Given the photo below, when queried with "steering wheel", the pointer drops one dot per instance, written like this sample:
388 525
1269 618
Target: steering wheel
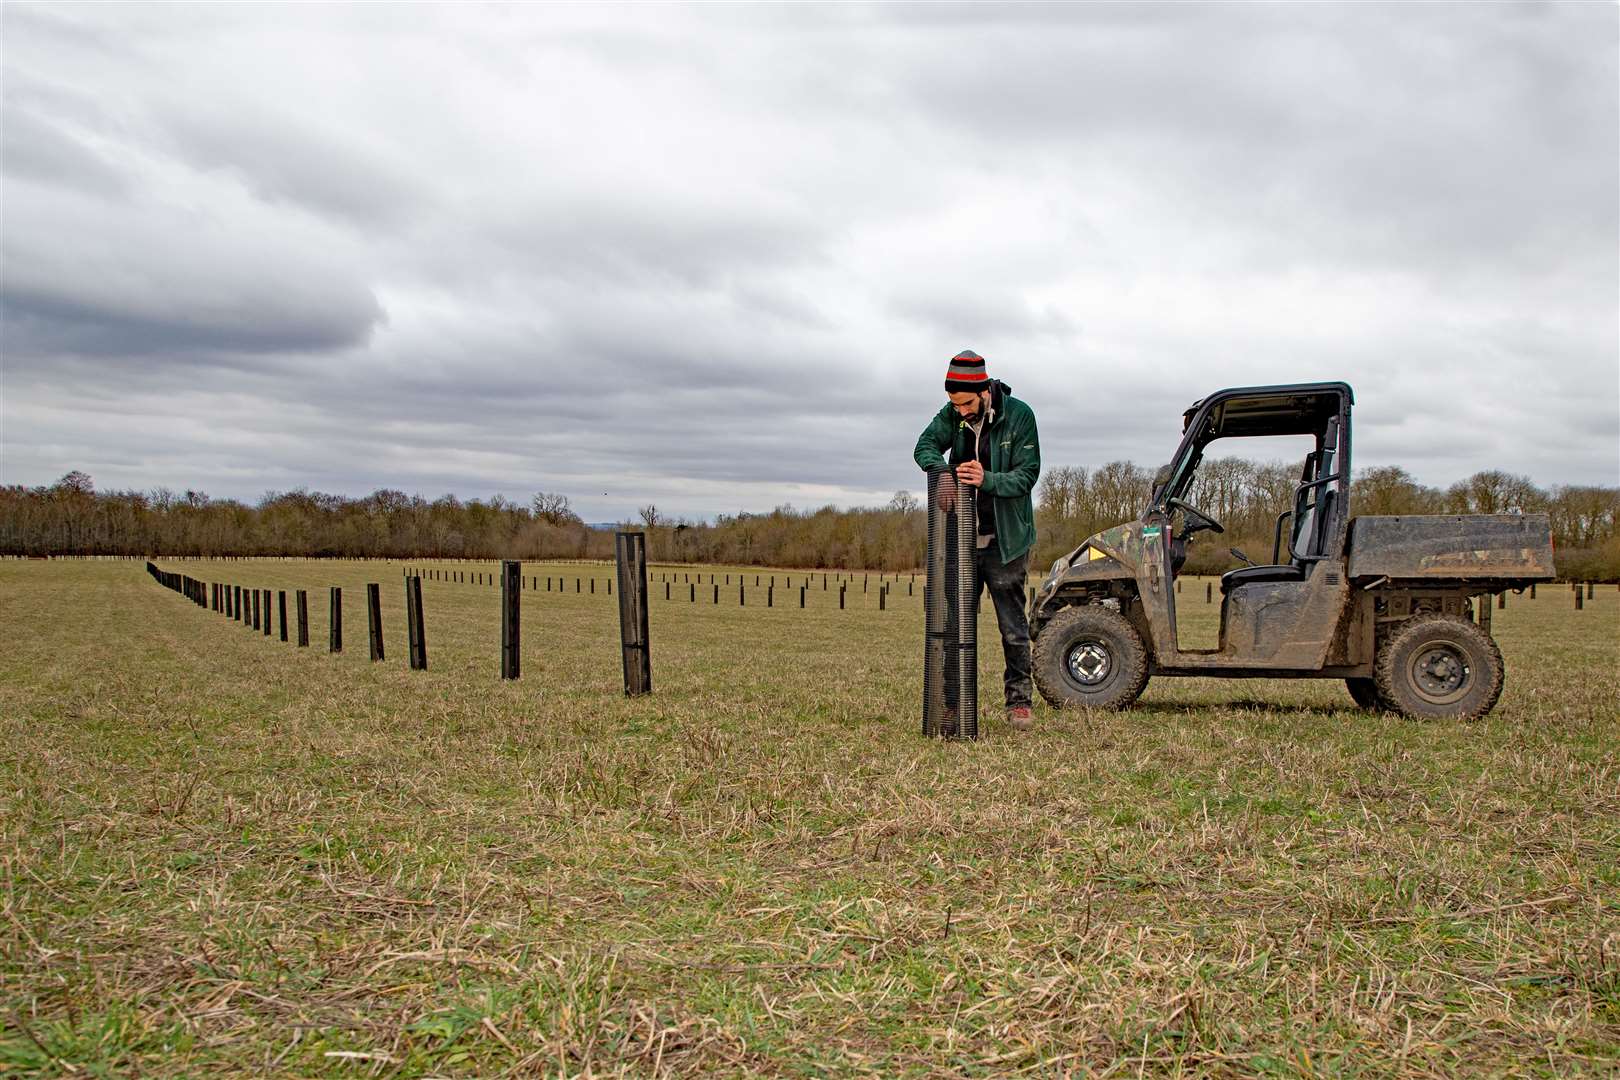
1197 520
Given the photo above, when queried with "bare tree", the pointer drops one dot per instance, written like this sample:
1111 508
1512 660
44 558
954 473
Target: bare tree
553 508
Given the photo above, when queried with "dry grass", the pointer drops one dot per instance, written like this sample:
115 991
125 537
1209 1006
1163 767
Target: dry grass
222 855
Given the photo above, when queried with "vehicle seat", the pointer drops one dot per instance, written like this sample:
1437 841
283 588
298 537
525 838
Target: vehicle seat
1308 531
1248 575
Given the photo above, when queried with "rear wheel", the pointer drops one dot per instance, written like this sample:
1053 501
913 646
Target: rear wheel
1439 667
1089 656
1365 693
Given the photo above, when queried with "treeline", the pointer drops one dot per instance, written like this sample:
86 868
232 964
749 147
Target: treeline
72 517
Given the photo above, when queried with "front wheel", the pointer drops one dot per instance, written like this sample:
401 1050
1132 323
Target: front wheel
1439 667
1091 657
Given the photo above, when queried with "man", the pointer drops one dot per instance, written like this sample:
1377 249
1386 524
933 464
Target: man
995 451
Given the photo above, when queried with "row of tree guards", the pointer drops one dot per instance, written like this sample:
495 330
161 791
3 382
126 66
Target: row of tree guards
252 608
668 580
588 585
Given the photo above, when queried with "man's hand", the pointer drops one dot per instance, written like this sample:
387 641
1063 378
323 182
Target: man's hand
970 472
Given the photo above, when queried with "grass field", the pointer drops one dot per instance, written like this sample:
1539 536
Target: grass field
224 855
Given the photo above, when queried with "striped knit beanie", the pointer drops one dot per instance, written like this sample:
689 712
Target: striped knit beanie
966 374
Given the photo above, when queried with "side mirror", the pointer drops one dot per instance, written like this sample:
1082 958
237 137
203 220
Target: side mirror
1160 479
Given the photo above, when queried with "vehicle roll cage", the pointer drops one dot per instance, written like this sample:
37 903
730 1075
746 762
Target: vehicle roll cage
1321 410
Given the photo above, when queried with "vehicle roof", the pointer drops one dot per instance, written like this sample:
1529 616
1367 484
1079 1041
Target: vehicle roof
1284 409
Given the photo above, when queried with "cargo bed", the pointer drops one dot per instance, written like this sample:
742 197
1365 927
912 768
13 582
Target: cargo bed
1505 549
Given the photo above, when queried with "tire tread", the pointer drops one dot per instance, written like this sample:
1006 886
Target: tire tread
1054 638
1387 665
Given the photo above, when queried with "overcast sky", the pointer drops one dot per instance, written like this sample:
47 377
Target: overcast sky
716 258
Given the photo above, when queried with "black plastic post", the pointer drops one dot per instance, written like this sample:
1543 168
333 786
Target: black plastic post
303 619
281 602
801 596
841 589
374 618
1532 591
267 613
410 625
630 557
511 621
883 597
1579 600
1501 600
717 595
950 603
335 622
255 609
1209 593
416 632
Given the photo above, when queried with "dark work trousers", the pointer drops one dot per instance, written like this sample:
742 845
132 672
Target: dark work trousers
1006 584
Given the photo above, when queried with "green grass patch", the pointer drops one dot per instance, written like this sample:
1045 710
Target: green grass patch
225 855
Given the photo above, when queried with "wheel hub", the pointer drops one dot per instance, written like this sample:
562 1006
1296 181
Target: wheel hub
1089 663
1440 672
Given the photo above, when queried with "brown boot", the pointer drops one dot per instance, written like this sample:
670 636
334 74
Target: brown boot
1020 718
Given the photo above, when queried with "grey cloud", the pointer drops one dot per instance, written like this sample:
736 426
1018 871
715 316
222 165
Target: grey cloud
110 278
31 148
678 245
294 160
708 256
982 313
1380 134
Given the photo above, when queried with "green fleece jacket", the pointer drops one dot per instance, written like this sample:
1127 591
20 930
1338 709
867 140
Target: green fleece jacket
1015 463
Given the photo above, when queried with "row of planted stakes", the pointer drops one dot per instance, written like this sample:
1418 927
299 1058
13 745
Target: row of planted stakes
259 608
679 585
262 609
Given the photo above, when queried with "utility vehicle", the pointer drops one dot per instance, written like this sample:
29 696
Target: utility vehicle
1397 607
